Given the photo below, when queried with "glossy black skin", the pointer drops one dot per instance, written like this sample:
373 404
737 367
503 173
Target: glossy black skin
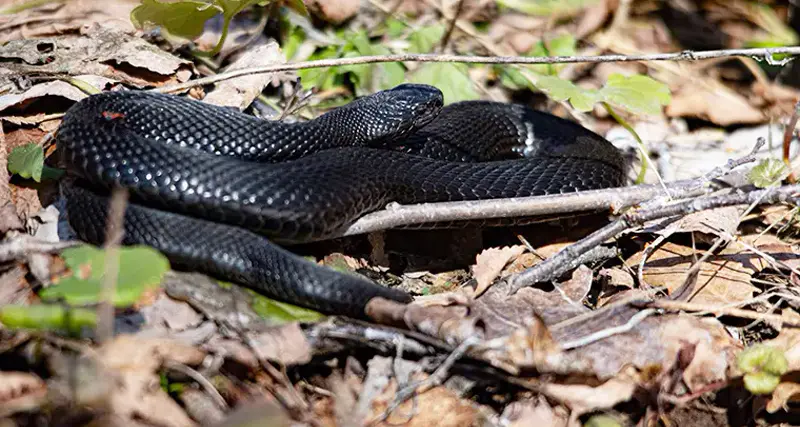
209 182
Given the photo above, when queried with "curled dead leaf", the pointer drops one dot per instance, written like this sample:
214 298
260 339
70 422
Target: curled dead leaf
489 264
20 391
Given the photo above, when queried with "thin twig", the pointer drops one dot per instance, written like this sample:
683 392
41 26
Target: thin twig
608 332
685 290
451 26
435 379
114 234
686 55
22 245
787 140
723 311
200 379
545 271
611 199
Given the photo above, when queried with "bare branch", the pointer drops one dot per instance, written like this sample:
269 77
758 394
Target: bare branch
544 270
687 55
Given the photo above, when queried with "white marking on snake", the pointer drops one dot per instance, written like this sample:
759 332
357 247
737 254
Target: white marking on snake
530 138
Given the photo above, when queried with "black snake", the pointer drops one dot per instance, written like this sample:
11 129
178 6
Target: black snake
210 185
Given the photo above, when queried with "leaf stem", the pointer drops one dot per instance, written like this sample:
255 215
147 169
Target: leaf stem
629 128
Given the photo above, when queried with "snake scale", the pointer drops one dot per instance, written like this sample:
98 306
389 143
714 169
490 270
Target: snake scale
211 186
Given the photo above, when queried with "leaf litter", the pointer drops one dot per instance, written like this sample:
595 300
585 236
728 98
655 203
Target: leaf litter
466 352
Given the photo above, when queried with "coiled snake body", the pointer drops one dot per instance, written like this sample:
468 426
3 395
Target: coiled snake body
209 185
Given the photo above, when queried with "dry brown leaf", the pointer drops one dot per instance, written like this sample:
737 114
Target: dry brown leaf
529 346
334 11
102 51
173 314
783 394
56 88
67 17
583 398
534 413
489 264
20 391
713 222
713 102
286 344
240 92
501 312
714 349
723 279
438 406
132 364
449 323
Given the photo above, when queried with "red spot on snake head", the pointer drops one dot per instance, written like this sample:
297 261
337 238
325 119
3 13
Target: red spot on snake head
111 115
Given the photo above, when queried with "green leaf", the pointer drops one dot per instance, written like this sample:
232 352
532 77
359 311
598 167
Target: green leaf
395 28
761 382
602 421
762 358
27 161
47 317
550 8
183 18
768 172
512 78
298 6
637 93
281 312
232 7
369 78
559 46
561 90
424 39
140 269
452 79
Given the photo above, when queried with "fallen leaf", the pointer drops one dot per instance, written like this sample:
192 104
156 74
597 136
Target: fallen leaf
19 102
285 344
723 279
715 222
534 413
131 365
714 349
583 398
783 394
501 313
489 264
240 92
334 11
175 315
438 406
104 51
20 391
714 102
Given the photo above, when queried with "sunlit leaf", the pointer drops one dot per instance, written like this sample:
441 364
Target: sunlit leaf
547 7
761 382
281 312
768 172
424 39
27 161
183 18
559 89
452 79
140 269
47 317
563 45
637 93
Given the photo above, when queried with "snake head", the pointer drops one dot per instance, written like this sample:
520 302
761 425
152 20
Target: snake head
391 115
